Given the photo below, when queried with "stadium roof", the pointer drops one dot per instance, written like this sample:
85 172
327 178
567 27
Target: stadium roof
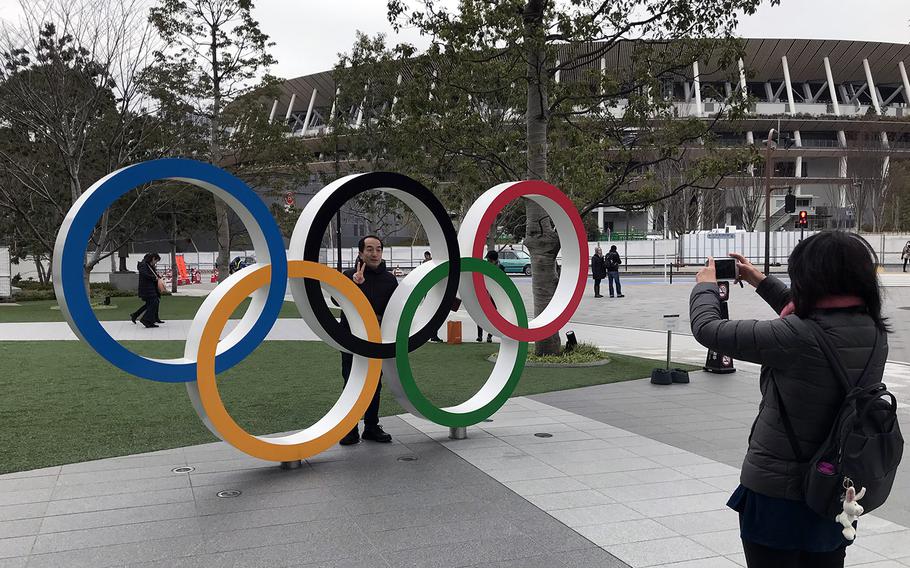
762 60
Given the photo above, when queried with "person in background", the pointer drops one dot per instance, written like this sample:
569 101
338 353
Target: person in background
377 284
149 291
905 255
598 270
492 256
611 263
834 286
427 257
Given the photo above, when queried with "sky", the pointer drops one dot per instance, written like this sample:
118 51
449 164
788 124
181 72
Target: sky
310 34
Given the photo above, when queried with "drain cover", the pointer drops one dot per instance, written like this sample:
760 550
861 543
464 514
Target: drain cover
184 469
407 458
543 435
229 493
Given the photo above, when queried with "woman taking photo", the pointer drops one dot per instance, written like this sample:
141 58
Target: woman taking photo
833 283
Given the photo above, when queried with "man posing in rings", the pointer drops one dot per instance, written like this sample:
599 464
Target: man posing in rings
377 284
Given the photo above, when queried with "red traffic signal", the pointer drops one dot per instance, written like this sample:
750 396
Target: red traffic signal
803 219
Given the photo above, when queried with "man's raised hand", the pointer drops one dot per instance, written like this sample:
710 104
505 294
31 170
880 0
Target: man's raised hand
358 275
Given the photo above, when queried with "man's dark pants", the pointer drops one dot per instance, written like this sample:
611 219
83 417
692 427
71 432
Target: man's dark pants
613 275
371 417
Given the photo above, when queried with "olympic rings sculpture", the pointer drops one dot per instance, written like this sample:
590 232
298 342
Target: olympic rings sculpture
489 297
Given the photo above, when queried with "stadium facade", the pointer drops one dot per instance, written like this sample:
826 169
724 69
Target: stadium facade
842 106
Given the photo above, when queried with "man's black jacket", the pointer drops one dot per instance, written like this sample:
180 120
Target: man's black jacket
378 286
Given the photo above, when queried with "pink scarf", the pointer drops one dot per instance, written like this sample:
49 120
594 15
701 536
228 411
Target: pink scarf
827 302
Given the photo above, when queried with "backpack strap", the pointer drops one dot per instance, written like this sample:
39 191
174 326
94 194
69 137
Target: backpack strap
839 370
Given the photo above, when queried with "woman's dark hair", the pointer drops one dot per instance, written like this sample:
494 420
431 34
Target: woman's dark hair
149 257
492 256
835 263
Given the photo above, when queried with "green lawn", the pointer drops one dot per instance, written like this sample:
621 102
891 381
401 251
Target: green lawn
172 307
62 403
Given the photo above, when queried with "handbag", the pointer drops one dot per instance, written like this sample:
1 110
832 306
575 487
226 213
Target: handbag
162 288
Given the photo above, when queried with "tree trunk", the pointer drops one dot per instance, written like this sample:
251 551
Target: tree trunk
540 237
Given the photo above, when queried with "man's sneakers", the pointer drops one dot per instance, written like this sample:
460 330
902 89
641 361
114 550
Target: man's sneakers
620 295
372 433
376 434
351 438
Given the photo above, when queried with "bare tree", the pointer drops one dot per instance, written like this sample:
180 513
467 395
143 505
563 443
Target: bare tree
72 111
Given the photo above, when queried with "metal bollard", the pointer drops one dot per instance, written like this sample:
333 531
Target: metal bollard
459 433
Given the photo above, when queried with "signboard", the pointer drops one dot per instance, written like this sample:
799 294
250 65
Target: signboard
721 235
5 283
670 322
290 199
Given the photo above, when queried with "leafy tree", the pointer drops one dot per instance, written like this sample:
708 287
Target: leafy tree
212 74
516 89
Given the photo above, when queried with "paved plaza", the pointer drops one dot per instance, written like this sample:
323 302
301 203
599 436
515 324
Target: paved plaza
625 474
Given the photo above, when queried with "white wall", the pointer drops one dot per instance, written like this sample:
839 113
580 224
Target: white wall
5 276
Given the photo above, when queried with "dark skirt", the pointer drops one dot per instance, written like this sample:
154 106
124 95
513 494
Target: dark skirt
784 524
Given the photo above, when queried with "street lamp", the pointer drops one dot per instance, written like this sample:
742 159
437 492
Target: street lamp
769 166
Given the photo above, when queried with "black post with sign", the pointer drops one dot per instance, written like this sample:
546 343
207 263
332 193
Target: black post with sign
718 362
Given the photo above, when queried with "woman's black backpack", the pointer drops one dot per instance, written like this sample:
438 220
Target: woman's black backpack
863 448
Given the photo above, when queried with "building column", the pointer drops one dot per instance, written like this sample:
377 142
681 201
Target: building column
873 94
903 71
309 113
287 115
274 110
841 137
699 109
792 106
750 137
600 219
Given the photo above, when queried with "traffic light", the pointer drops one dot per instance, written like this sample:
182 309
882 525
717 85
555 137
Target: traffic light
790 203
803 219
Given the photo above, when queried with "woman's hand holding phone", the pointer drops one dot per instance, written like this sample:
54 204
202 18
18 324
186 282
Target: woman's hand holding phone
747 271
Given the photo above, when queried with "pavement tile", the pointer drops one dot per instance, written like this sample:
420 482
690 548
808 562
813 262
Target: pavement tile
25 511
118 501
595 514
551 485
662 551
698 523
114 517
569 499
169 549
16 546
721 542
121 534
679 505
625 531
21 527
513 550
892 545
27 496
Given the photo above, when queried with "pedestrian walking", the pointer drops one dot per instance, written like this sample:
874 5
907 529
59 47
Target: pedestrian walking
150 288
905 255
598 270
834 298
611 263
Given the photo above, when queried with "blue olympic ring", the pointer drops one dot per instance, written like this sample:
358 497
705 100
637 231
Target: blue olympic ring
76 232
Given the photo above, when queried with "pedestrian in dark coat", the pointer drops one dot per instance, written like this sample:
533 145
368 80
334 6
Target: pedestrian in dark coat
834 284
377 284
149 291
598 270
612 262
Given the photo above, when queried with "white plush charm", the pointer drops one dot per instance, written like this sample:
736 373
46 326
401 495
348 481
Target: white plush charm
852 511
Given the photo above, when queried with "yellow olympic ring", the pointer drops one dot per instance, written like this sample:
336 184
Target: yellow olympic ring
337 422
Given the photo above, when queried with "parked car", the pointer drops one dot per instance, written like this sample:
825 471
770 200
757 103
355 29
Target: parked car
515 261
240 262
